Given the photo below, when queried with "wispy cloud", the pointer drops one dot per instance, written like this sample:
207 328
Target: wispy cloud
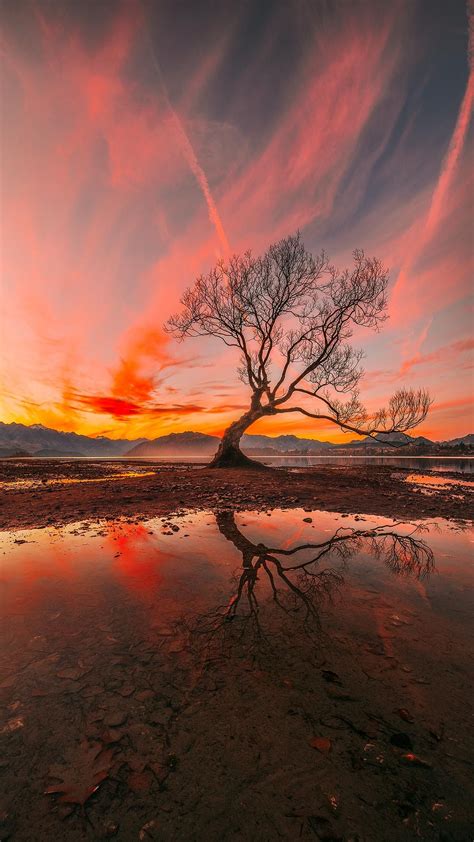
116 194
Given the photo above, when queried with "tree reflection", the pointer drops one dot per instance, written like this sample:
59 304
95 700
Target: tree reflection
299 579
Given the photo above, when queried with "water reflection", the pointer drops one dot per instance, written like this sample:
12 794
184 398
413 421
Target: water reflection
98 662
57 480
299 579
460 464
430 481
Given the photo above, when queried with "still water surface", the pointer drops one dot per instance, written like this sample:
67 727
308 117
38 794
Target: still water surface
461 464
464 465
419 463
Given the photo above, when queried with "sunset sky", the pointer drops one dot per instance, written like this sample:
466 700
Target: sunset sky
142 141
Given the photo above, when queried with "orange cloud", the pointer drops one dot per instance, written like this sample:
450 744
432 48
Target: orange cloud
116 407
119 408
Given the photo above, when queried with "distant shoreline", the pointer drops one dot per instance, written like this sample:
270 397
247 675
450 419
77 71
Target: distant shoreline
264 458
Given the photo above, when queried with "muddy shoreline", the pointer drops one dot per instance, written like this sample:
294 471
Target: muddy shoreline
37 493
186 678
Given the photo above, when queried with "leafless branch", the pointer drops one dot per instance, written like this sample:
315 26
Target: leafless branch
291 316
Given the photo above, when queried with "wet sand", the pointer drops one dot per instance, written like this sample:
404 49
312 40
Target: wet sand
45 492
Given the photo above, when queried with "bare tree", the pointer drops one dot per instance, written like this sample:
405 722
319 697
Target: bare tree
291 315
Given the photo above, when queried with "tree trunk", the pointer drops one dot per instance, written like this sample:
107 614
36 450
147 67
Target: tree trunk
229 454
228 528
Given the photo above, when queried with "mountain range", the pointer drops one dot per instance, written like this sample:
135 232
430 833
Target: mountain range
37 440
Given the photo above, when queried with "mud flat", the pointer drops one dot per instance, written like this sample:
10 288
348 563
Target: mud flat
237 675
198 655
35 493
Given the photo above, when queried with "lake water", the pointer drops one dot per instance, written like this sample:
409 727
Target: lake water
464 465
309 665
419 463
445 464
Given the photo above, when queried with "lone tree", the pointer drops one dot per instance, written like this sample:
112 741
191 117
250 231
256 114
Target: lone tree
291 315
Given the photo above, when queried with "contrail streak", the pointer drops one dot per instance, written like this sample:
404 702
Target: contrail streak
191 158
456 145
448 166
201 179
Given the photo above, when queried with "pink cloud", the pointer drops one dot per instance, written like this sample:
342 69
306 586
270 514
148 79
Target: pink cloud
115 199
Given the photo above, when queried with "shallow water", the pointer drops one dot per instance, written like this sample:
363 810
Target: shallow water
55 481
459 464
228 642
433 482
464 465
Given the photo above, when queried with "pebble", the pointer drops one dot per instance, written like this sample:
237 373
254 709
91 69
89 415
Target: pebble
115 718
110 829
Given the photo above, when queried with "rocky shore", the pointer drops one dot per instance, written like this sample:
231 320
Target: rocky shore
36 493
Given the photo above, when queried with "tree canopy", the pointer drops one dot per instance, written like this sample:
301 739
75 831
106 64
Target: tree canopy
291 315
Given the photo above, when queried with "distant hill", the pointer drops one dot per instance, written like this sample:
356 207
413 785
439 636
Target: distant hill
284 444
391 439
200 444
37 440
467 441
10 452
177 444
42 441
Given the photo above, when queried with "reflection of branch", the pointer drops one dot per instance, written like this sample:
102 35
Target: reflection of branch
300 586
